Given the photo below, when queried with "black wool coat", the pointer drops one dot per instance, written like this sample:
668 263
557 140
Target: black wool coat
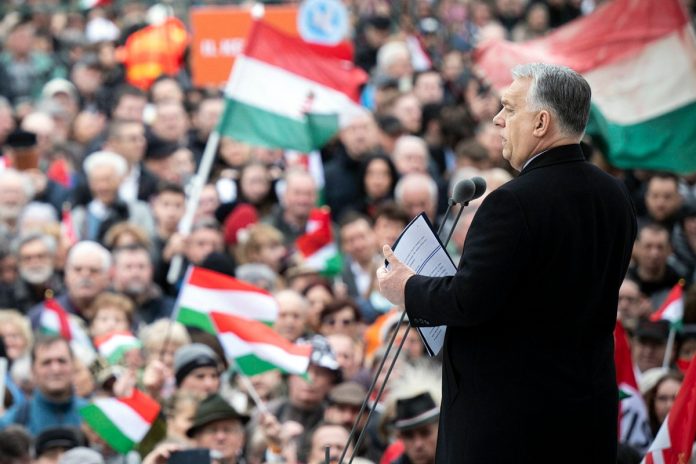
528 371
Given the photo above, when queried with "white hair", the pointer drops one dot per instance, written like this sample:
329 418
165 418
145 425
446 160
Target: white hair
49 242
405 141
88 247
38 211
12 174
106 158
390 52
415 179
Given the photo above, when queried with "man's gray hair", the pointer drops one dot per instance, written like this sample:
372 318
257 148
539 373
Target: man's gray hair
416 178
88 247
49 242
106 158
562 91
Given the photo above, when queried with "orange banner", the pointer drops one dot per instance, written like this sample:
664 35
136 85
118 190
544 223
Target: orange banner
219 35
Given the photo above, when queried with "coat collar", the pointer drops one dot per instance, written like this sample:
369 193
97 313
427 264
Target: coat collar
556 155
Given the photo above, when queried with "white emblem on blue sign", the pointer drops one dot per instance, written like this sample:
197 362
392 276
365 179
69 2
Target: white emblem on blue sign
323 21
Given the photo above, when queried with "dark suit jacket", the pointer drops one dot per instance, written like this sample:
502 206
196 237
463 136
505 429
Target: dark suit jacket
528 373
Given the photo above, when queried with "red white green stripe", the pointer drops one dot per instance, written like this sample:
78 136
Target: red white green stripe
257 348
672 309
640 60
55 320
674 441
204 291
283 93
316 247
634 424
121 422
115 345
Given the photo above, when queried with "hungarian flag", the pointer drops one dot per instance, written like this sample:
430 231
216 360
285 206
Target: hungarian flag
154 50
204 291
121 422
67 226
257 348
676 436
634 424
115 345
55 320
672 309
316 246
283 93
639 57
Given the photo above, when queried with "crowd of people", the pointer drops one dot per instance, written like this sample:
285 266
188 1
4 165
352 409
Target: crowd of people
94 180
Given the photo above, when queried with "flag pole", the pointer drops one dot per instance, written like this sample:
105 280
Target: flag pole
250 387
197 185
670 346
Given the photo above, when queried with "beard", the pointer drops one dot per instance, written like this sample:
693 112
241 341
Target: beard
135 288
36 276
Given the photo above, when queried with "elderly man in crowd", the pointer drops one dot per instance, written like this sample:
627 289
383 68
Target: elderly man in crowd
87 272
36 256
218 427
105 171
291 322
415 193
298 200
16 190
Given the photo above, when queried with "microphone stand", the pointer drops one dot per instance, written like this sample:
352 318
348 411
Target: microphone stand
361 436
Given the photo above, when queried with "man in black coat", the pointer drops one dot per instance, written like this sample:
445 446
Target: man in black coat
528 372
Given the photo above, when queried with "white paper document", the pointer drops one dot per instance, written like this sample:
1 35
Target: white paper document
420 249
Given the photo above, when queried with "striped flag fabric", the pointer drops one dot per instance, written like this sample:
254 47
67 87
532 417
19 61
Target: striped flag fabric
672 309
257 348
639 57
634 423
55 320
113 346
121 422
316 246
283 93
204 291
674 441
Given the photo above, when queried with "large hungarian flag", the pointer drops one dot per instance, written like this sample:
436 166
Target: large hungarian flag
639 57
316 247
634 424
121 422
257 348
675 438
204 291
283 93
672 309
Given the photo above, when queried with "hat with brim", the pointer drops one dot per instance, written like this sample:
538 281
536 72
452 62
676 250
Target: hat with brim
212 409
415 412
655 331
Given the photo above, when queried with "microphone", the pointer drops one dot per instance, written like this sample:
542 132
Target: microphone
480 184
463 191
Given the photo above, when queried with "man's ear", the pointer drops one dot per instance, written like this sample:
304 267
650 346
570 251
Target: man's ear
542 123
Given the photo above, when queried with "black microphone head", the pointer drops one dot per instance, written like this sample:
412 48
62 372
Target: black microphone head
463 191
480 184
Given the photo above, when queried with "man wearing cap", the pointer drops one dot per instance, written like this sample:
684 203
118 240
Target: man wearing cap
220 428
197 369
51 443
416 426
344 403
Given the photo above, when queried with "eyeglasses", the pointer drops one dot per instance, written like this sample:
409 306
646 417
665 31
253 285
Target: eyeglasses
227 429
665 398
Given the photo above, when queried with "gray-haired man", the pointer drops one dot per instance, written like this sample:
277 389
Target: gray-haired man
528 372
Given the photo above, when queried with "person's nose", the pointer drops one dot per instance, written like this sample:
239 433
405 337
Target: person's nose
498 119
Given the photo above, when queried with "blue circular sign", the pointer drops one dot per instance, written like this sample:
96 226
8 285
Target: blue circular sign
323 21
